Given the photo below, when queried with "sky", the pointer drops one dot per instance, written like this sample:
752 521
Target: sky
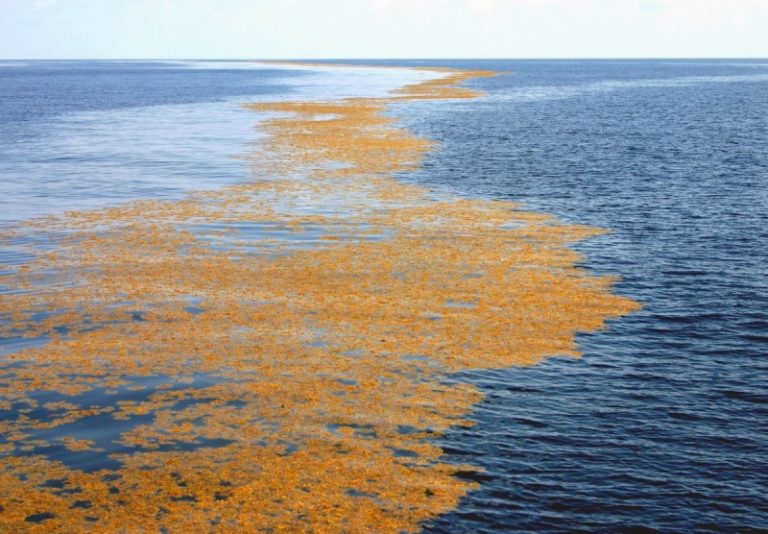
290 29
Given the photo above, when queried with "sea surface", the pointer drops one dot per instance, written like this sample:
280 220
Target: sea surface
85 134
662 425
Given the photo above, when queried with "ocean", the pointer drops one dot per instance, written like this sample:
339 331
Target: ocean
660 424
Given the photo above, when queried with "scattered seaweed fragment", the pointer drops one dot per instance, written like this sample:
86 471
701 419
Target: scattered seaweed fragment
195 370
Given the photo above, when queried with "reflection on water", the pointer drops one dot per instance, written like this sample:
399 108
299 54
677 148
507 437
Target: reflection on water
87 134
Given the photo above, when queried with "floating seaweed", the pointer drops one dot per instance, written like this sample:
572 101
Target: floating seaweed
275 355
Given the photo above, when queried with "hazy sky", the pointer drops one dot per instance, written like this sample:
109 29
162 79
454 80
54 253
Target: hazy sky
382 28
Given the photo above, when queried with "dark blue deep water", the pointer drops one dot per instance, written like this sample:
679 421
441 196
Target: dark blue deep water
662 425
32 90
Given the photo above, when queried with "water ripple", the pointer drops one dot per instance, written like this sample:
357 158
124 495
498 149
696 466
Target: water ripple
661 426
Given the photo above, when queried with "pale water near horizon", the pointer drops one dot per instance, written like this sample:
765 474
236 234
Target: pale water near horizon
662 425
81 134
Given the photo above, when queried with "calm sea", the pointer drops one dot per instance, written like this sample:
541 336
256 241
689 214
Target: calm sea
663 424
79 134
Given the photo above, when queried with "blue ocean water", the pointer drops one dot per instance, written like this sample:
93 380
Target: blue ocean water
661 426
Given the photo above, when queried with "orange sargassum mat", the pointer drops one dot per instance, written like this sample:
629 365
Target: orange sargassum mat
275 355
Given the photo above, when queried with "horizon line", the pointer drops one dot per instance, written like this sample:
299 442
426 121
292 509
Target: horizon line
297 59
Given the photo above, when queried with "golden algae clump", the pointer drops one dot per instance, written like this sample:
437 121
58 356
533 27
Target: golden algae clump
275 355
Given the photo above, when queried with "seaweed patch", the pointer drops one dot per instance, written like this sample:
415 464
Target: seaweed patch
275 355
